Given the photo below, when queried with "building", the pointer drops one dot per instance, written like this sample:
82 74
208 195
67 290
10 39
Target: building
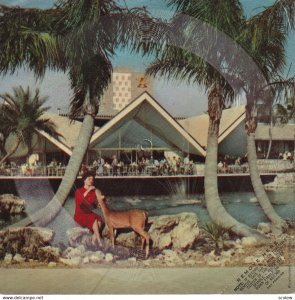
125 86
144 127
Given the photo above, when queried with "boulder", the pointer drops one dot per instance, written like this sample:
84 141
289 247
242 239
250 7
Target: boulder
109 257
86 260
254 260
72 262
11 204
73 252
29 242
126 239
49 254
171 255
18 258
79 236
96 257
264 227
8 258
52 264
178 232
248 241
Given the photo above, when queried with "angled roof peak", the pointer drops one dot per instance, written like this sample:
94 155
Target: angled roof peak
146 111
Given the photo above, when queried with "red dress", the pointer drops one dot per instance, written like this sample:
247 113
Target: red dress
83 215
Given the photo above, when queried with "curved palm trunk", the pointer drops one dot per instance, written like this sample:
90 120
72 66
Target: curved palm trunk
258 185
11 152
215 208
49 212
259 190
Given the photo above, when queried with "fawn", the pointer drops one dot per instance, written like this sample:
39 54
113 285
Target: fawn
134 218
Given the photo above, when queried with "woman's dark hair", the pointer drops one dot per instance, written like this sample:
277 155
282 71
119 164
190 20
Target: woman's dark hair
88 174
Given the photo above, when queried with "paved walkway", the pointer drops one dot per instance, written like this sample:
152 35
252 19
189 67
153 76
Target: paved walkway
135 281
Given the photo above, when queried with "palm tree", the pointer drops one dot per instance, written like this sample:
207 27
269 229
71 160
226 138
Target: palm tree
182 64
80 37
264 37
22 115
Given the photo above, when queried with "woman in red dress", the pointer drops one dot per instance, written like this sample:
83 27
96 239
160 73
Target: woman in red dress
85 199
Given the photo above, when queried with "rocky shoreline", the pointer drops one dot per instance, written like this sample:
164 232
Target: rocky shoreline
177 241
11 204
282 180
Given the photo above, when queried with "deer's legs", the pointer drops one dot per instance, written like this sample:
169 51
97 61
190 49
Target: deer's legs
112 235
145 237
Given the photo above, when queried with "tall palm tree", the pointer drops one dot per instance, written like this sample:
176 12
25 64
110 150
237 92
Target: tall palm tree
181 64
22 115
263 38
80 37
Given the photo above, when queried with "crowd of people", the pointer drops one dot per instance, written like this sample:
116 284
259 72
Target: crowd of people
143 166
287 155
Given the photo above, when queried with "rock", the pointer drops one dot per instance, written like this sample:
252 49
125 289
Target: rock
49 253
75 261
190 262
230 245
46 234
109 257
52 264
171 256
18 258
8 258
126 239
214 263
96 257
79 236
178 232
248 241
228 253
264 227
73 252
132 259
86 260
276 231
253 200
253 260
11 204
27 241
240 251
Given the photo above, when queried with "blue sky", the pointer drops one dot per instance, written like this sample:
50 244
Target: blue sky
178 98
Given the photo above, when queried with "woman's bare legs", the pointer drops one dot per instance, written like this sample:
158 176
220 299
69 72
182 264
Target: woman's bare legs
96 235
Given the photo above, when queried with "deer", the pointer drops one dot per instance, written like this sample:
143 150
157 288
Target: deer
134 218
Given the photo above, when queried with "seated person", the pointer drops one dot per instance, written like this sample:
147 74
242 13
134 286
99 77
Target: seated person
85 201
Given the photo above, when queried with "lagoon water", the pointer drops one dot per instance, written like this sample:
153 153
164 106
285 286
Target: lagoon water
242 205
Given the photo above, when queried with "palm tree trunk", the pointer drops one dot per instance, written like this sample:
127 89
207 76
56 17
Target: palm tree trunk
258 186
270 142
49 212
251 124
270 135
11 152
215 208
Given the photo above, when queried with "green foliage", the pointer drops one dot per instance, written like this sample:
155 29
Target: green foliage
75 36
22 114
216 233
